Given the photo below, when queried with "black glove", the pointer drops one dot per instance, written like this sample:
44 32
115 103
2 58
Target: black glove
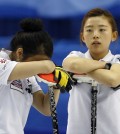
63 79
59 79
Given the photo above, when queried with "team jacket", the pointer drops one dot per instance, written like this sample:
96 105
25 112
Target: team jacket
108 104
16 97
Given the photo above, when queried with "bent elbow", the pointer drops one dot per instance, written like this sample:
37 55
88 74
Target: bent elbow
49 68
70 66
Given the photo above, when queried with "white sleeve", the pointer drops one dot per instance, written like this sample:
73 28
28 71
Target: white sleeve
6 67
116 59
75 54
35 86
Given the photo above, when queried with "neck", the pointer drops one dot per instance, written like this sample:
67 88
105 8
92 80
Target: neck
98 56
12 56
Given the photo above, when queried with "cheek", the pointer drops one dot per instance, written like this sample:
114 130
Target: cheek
107 38
87 38
107 34
87 35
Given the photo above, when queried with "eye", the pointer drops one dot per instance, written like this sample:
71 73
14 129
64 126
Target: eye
102 30
89 30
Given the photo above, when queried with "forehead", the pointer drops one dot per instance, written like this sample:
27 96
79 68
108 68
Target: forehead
97 21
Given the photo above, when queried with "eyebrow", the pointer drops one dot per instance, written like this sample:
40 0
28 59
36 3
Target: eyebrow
90 26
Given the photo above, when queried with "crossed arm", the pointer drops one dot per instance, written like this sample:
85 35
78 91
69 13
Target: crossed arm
94 69
27 69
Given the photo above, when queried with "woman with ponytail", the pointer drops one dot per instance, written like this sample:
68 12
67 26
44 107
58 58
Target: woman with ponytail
31 51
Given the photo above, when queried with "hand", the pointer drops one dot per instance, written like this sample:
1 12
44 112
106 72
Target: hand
59 79
63 79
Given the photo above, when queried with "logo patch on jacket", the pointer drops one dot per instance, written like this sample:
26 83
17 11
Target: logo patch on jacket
3 60
17 85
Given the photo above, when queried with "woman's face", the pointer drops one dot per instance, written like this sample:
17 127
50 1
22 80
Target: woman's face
97 35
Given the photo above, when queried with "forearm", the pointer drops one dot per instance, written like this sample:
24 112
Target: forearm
82 65
41 101
103 76
107 77
27 69
46 102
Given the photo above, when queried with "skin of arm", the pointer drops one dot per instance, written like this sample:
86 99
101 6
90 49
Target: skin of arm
110 77
94 69
81 65
41 101
27 69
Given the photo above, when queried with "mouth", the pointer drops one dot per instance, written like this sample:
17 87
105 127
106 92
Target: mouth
96 43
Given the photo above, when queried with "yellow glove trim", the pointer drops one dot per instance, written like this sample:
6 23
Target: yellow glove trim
64 76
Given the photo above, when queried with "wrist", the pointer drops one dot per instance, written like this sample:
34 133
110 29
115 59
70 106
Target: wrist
55 87
107 66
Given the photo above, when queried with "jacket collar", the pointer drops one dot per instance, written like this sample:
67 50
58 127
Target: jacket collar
108 57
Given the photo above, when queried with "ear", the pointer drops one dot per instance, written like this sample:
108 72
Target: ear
82 37
19 54
114 35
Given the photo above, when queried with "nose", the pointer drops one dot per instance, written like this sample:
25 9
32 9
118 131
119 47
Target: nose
96 34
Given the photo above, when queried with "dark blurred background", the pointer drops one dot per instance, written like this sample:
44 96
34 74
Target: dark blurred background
62 19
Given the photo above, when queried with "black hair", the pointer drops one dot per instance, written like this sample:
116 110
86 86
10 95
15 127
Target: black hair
32 38
99 12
